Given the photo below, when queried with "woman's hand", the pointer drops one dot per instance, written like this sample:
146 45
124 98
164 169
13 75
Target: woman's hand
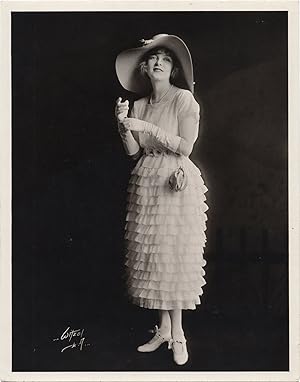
121 109
134 124
132 147
170 141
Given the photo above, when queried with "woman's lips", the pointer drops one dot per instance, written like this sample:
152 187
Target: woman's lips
158 69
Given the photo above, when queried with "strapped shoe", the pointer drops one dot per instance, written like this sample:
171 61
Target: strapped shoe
155 342
180 353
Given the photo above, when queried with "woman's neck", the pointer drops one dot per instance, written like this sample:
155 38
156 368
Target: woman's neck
159 89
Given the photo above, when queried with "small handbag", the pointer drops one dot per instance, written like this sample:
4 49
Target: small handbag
178 180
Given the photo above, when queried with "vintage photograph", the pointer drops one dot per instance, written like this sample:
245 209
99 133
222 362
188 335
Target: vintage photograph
150 191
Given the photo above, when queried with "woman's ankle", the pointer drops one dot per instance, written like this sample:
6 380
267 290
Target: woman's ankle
178 334
164 328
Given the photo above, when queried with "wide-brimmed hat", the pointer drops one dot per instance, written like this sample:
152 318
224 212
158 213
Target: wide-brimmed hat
127 63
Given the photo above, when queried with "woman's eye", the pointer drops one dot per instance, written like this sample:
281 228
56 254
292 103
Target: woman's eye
168 59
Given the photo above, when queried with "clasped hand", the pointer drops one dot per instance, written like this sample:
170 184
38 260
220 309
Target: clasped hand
125 123
121 109
133 124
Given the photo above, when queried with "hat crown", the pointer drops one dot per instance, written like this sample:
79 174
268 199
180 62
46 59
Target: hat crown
159 36
151 40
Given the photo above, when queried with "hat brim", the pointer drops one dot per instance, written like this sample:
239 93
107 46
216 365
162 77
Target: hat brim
127 64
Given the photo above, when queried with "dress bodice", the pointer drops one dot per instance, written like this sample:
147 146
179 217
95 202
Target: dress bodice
166 114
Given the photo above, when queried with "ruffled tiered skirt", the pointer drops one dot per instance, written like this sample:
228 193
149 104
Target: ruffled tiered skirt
165 234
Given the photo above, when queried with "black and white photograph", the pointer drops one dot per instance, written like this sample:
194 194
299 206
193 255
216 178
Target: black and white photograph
152 223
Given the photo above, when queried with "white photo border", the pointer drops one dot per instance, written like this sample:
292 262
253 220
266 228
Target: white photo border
7 7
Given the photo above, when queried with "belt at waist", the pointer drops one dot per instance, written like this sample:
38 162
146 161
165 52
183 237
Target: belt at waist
156 152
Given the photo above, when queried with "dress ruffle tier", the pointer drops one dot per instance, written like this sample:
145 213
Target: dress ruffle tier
165 234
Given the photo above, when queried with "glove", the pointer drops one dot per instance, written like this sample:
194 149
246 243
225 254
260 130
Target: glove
121 109
169 141
130 144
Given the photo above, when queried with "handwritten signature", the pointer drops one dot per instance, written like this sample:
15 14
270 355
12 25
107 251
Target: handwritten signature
72 335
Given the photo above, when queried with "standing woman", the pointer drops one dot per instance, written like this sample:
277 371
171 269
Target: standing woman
165 220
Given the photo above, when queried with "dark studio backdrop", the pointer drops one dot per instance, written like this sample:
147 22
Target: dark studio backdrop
70 177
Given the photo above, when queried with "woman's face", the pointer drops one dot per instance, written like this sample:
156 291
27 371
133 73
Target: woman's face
159 66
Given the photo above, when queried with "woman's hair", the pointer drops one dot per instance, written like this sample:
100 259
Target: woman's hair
176 65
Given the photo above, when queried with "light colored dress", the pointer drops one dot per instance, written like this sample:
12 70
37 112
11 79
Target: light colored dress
165 229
